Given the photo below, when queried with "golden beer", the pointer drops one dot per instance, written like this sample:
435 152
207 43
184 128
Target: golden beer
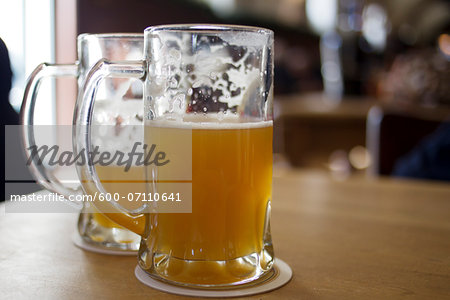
119 183
231 190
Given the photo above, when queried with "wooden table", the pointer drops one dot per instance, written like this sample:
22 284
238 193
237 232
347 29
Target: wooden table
358 239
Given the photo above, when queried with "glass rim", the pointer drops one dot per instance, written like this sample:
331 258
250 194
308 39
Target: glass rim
115 35
207 27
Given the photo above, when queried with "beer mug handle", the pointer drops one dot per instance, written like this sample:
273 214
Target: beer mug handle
132 220
42 175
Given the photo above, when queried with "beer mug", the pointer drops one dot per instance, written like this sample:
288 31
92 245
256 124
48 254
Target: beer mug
208 96
118 102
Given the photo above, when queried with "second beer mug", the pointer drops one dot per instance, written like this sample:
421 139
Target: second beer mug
208 122
119 104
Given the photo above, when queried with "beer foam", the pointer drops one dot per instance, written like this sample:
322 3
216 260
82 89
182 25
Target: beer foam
209 121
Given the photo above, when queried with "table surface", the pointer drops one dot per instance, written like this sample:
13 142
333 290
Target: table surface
356 239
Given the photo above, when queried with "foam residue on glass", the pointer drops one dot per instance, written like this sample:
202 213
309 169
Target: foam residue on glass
209 75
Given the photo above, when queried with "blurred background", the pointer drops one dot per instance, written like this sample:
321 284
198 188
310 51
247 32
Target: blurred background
361 87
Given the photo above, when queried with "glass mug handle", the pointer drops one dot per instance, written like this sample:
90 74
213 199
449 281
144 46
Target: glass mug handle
132 220
42 175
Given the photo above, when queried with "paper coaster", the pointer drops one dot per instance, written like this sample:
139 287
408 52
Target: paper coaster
282 275
80 243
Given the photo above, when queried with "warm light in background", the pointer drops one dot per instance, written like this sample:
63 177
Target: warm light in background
444 43
359 157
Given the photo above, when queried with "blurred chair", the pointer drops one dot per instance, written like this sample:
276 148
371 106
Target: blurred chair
393 137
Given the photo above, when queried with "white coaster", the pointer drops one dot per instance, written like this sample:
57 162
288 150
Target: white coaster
282 275
80 243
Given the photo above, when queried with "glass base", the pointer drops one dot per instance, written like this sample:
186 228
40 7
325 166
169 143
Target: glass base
202 274
278 276
249 269
99 231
